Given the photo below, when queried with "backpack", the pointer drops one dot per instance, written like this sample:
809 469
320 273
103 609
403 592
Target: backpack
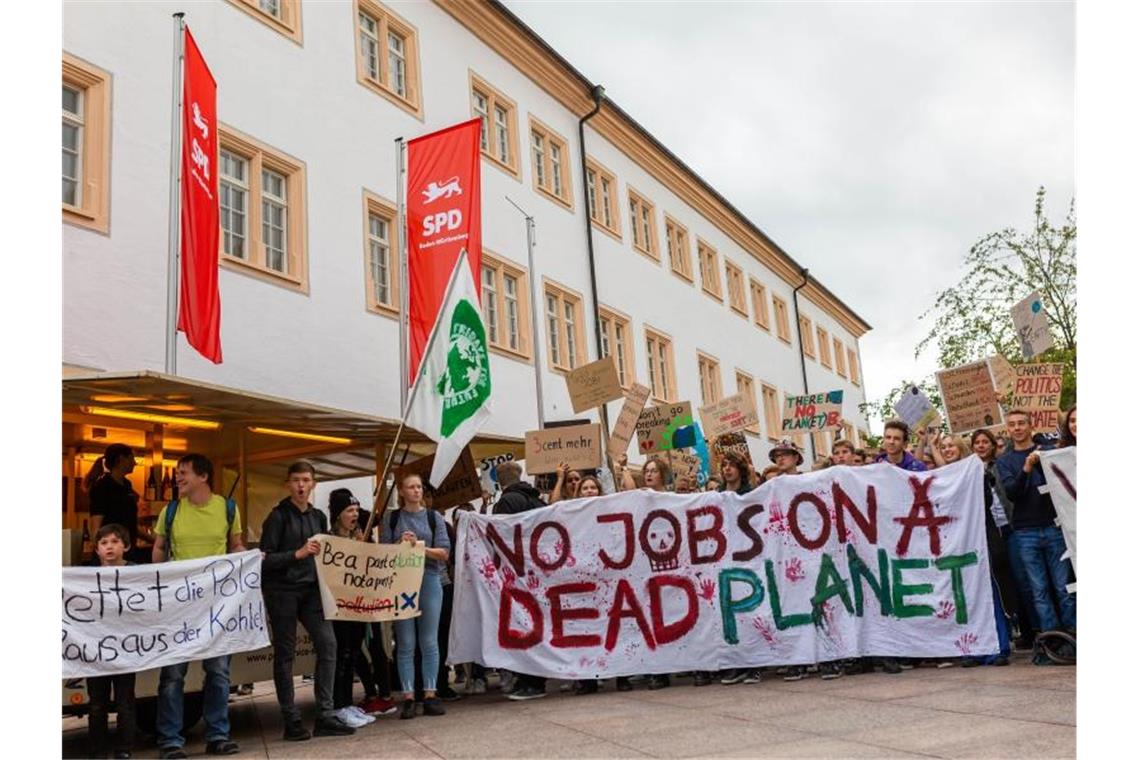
394 516
172 509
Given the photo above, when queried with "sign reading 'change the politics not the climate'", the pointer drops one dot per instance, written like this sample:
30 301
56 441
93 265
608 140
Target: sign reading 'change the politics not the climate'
845 562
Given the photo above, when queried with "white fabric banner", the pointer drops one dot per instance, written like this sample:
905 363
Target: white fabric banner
1060 467
131 618
845 562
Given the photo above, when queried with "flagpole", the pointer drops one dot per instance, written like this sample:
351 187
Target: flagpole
173 238
460 262
402 275
533 312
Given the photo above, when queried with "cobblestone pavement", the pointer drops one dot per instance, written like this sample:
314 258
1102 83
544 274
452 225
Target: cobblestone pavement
1015 711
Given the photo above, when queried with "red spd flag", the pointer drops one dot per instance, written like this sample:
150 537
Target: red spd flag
199 305
443 219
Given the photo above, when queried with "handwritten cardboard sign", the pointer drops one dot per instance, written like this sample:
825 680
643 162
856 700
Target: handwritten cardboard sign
728 415
1032 326
1003 374
915 409
369 582
460 486
726 443
812 413
666 427
579 446
626 422
1037 390
969 397
686 464
594 384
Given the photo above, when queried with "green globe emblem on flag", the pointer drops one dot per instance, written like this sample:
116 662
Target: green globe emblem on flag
466 380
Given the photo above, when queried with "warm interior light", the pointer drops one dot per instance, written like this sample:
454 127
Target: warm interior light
115 398
302 436
141 461
164 419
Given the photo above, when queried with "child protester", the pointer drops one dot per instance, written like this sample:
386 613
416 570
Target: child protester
111 544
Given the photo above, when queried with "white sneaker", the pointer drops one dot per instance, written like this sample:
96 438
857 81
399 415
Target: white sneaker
480 686
361 714
349 718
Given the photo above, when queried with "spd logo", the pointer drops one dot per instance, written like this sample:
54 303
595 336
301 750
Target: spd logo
442 220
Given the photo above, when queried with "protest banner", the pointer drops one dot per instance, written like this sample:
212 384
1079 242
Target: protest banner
969 397
665 427
730 442
579 446
1003 375
367 582
460 486
1037 390
1060 468
594 384
135 617
812 413
1031 326
626 422
845 562
915 409
728 415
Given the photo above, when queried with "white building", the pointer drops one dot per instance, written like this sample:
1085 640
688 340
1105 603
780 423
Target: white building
311 97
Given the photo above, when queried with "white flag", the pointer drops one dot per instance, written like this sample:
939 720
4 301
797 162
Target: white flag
451 398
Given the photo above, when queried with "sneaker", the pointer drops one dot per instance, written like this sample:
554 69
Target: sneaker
332 725
585 687
507 683
377 705
946 664
972 662
407 710
349 718
1000 661
448 694
172 752
360 714
527 692
434 706
658 682
479 687
295 731
701 678
830 670
795 673
891 665
222 747
623 684
734 676
752 676
906 665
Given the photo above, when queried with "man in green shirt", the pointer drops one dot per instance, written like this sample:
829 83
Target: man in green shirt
204 525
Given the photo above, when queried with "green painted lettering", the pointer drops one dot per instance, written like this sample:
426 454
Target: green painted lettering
900 590
829 583
729 607
881 586
954 563
782 623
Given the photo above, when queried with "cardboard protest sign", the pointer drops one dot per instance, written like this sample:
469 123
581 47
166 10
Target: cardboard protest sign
915 409
460 486
812 413
579 446
1003 374
969 397
486 466
135 617
626 422
1060 468
728 415
1032 326
730 442
369 582
1037 390
665 427
844 562
594 384
685 464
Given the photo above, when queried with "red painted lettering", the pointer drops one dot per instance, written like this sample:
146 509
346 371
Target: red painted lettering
559 615
744 523
627 521
626 605
513 554
662 543
867 521
794 523
563 546
921 516
663 632
712 533
509 638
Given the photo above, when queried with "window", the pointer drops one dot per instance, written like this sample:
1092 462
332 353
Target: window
643 225
746 386
498 116
759 304
261 199
849 433
824 346
677 246
565 339
387 56
506 306
86 145
782 330
735 277
853 366
807 339
840 365
709 370
549 163
772 416
601 188
659 351
710 270
617 341
283 16
379 255
821 443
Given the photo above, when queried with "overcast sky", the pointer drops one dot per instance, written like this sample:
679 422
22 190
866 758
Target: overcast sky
874 142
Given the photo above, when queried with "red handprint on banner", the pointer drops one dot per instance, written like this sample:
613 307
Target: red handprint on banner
707 590
794 570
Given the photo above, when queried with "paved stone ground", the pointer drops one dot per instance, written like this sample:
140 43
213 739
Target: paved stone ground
1017 711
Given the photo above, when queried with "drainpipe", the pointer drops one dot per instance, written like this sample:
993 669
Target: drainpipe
598 94
803 361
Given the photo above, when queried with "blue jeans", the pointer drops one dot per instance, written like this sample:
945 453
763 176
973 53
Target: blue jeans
215 701
1041 571
425 630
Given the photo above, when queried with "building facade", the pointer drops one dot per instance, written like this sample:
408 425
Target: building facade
694 300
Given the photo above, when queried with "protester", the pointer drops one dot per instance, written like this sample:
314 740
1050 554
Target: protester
786 456
769 472
735 471
714 483
589 487
859 458
895 435
413 522
112 498
566 485
111 543
843 452
656 472
1069 428
200 524
1037 542
947 449
447 575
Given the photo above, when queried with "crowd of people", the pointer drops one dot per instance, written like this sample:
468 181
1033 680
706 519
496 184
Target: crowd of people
1029 577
